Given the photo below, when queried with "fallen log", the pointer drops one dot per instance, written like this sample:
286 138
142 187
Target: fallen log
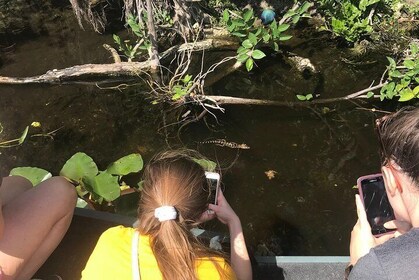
83 73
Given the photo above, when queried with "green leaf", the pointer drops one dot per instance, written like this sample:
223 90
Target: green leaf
266 37
409 64
283 27
295 19
276 47
105 185
128 164
242 57
257 54
253 39
34 174
416 91
117 39
370 94
23 136
309 96
304 7
248 15
285 37
406 95
396 74
207 165
414 48
289 14
79 166
249 64
226 16
301 97
392 62
242 50
247 44
187 78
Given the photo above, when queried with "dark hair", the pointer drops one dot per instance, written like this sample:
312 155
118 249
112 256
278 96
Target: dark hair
399 135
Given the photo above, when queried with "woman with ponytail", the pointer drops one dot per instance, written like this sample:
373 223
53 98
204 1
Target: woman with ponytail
175 198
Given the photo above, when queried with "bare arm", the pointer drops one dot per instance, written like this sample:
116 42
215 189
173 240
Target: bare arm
240 260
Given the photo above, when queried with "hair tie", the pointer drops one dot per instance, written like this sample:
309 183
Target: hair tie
165 213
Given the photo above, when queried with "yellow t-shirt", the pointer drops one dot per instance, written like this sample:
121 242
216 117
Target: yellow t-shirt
111 259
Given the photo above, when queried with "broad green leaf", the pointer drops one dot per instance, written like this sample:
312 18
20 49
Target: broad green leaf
396 74
309 96
301 97
125 165
242 50
283 27
23 136
289 14
207 165
249 64
392 62
242 57
78 166
416 91
370 94
266 37
104 185
247 44
253 39
34 174
406 95
409 64
257 54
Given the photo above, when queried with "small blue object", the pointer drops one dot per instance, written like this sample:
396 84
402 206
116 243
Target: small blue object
267 16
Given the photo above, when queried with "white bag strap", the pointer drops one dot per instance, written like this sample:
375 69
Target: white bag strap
134 256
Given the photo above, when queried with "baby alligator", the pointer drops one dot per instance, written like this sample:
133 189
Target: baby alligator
224 143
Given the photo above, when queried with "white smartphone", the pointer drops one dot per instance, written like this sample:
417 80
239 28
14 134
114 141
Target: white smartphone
213 179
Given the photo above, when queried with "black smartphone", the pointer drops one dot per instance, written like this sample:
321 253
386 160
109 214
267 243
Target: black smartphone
213 179
374 197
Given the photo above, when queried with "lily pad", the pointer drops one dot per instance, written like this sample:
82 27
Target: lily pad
34 174
104 185
78 166
125 165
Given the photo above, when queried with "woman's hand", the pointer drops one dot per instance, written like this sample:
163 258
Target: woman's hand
362 240
223 210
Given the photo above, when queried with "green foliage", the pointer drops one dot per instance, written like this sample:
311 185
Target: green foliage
34 174
306 97
403 79
253 34
348 18
181 88
92 184
141 43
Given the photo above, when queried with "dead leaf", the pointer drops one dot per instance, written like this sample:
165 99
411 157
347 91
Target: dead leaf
270 174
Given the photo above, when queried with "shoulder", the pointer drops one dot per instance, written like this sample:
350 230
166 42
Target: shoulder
214 268
398 255
117 233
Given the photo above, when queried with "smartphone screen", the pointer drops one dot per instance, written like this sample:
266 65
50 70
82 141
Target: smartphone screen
377 206
213 183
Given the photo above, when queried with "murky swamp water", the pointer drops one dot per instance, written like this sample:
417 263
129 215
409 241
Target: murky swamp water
317 154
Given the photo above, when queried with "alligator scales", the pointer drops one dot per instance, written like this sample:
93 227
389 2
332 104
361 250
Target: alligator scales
225 143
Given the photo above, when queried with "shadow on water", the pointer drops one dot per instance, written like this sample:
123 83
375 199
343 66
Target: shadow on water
315 154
